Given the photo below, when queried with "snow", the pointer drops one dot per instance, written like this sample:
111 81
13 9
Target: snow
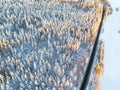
111 37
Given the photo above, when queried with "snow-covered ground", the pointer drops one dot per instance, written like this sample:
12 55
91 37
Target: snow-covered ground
111 36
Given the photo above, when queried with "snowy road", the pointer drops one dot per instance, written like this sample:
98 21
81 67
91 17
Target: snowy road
111 37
